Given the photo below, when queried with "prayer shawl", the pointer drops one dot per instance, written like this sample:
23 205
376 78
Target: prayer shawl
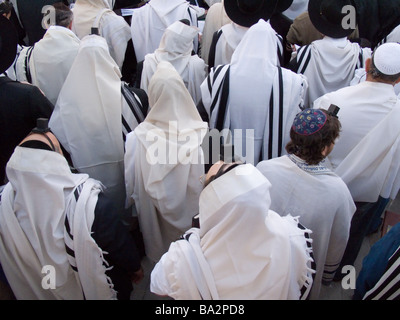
176 47
296 8
229 37
47 63
215 19
46 223
367 154
257 97
388 286
92 116
150 21
329 64
243 250
98 13
164 162
328 214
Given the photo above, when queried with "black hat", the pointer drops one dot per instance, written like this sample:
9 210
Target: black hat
283 5
327 17
8 43
247 12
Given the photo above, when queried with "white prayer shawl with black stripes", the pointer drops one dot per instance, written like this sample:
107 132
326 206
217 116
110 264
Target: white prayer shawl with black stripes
92 116
229 37
47 63
150 21
33 238
254 95
329 64
388 286
99 14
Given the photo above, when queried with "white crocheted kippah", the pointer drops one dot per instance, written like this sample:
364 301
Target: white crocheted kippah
387 58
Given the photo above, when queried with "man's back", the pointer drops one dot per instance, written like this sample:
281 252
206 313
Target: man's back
362 107
327 211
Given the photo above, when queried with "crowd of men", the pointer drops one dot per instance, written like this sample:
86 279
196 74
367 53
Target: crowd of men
244 147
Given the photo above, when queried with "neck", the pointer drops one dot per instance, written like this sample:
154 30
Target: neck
377 80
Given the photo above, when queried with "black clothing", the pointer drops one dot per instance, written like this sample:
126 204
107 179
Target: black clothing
112 236
31 16
20 106
377 18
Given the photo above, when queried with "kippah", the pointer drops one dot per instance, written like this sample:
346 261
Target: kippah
309 121
387 58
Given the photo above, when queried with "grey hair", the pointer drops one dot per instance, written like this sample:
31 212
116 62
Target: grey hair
64 15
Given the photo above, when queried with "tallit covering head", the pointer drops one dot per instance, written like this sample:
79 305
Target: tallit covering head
168 161
33 210
87 116
252 251
243 250
52 59
85 12
176 47
150 21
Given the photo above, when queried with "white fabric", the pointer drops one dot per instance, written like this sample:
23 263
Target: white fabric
32 217
176 47
296 8
366 155
232 34
251 251
253 73
111 26
87 117
164 162
387 58
215 19
150 21
332 66
361 75
51 60
393 36
327 211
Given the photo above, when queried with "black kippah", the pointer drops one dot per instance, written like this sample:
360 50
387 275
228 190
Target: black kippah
36 144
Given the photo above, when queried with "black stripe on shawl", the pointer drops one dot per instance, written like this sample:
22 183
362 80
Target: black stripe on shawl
306 63
280 138
300 60
136 110
27 69
389 278
223 102
271 123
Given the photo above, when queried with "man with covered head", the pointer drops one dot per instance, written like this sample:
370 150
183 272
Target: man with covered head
176 47
367 154
241 250
99 14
